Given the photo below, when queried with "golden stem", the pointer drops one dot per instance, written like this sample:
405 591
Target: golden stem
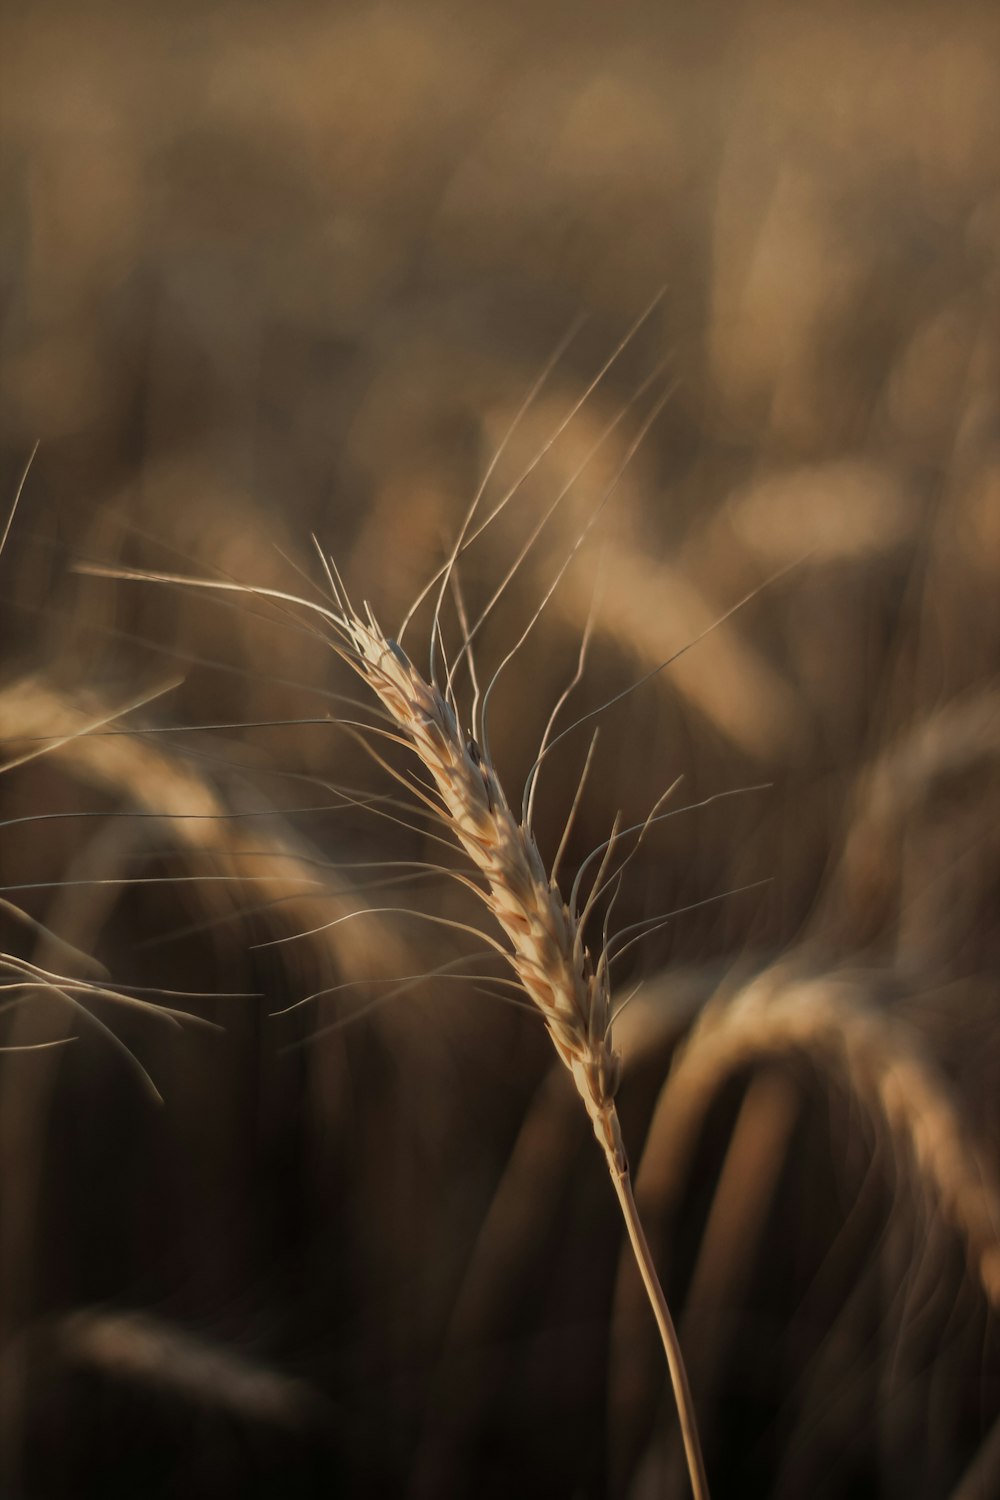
668 1333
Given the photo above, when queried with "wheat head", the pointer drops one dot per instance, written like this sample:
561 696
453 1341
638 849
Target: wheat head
547 950
545 932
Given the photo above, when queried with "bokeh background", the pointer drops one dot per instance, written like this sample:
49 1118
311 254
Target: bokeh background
273 270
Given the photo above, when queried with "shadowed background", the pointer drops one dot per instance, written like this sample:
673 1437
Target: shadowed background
274 270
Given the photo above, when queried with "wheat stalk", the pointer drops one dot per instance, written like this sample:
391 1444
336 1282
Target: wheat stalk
547 949
545 931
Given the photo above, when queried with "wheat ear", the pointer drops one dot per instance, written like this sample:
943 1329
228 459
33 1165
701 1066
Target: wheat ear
547 951
545 932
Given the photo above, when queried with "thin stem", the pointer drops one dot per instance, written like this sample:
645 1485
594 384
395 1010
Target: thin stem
668 1333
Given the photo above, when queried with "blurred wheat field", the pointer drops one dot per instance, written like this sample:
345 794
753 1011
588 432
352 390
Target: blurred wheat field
270 271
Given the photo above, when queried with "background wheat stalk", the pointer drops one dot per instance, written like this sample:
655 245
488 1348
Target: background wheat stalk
837 1022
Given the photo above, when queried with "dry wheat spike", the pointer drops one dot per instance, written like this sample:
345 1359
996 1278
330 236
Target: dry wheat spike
545 931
